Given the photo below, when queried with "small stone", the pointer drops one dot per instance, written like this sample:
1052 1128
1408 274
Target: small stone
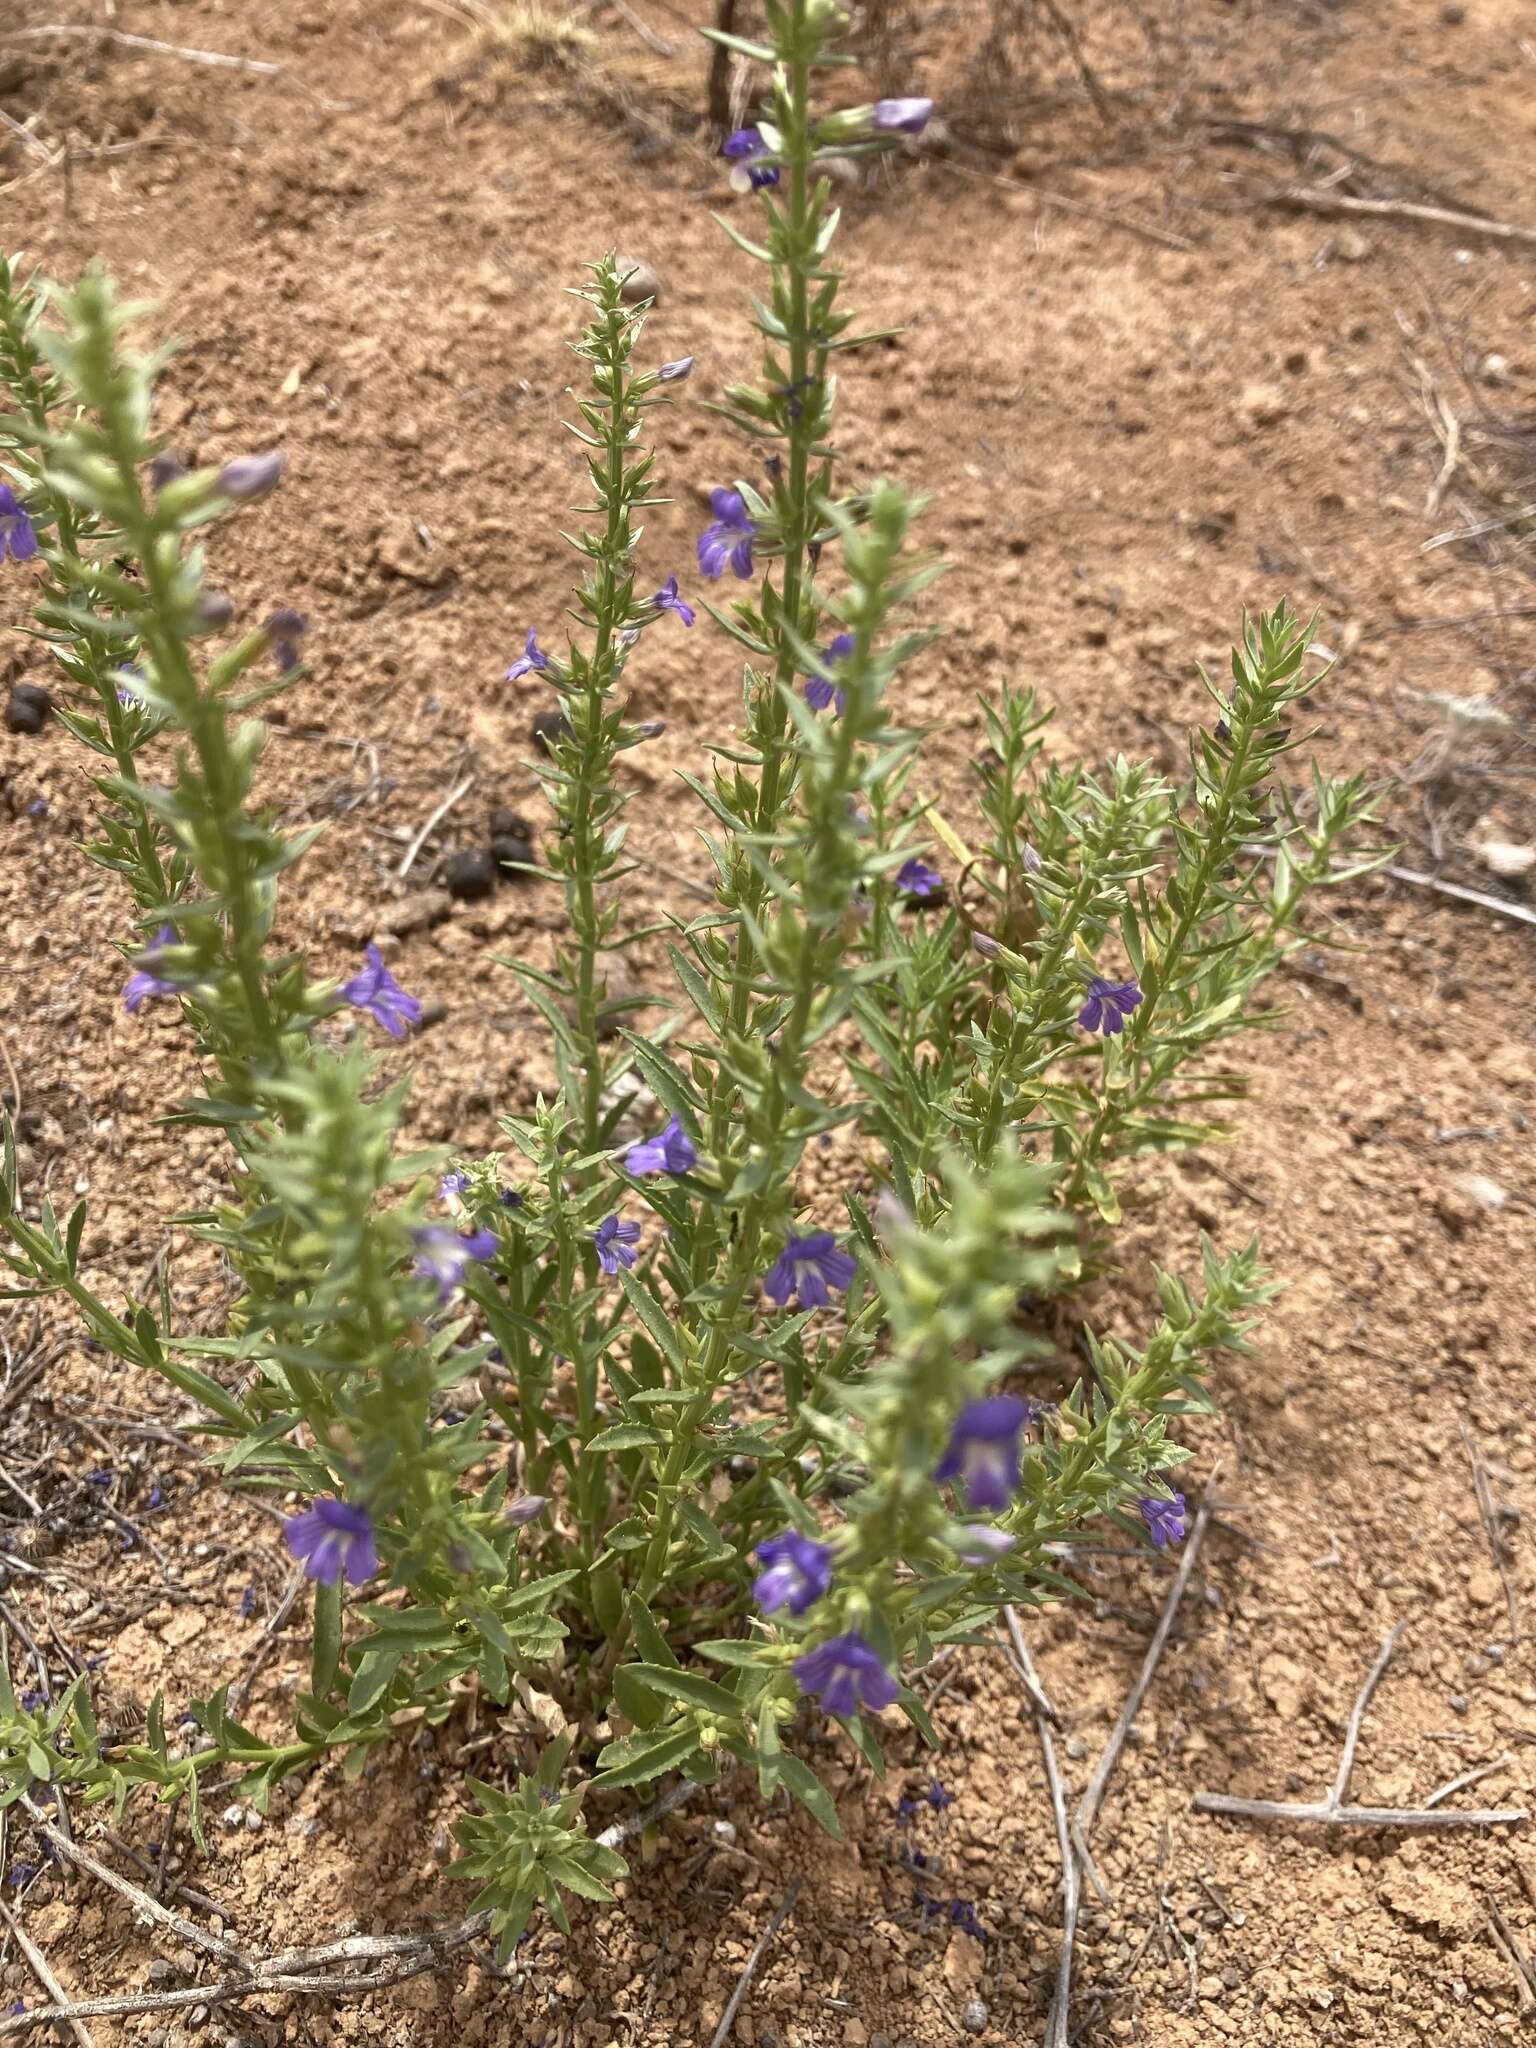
1494 369
160 1972
724 1832
254 1823
28 708
1264 405
401 551
637 281
1458 1703
1350 246
974 2015
470 875
414 913
1453 15
442 1846
548 727
846 171
232 1817
511 856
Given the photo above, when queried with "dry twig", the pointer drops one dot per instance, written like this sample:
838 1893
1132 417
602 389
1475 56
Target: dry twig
44 1974
218 60
1489 1516
1307 199
1333 1809
722 2033
1071 1877
1088 1806
436 818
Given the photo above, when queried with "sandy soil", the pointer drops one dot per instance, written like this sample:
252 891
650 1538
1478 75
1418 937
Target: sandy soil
1142 403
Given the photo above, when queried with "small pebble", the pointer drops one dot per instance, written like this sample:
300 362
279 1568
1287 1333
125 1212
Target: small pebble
232 1817
637 281
724 1832
1459 1703
414 913
508 823
548 727
28 708
974 2015
470 875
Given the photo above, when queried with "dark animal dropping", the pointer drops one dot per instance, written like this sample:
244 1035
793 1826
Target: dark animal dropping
28 708
470 875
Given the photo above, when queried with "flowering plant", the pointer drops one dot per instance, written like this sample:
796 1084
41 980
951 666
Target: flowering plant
730 1457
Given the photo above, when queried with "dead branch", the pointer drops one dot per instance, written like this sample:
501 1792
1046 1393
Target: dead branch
1489 1517
1088 1807
1332 1810
1307 199
722 2033
218 60
44 1974
1071 1878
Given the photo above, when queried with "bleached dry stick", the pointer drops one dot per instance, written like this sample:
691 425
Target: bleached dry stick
1311 201
1088 1807
1071 1877
1332 1811
44 1974
722 2033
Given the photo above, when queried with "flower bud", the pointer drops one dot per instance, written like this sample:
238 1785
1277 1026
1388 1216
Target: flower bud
214 610
165 469
987 947
528 1509
674 373
252 476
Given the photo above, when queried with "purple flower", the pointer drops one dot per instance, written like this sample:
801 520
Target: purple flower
18 536
670 1151
1166 1520
285 629
983 1450
130 693
443 1254
979 1544
18 1875
808 1266
667 600
937 1797
916 878
247 1603
729 538
744 148
820 690
144 981
165 468
333 1537
453 1183
528 1509
530 659
1109 1004
797 1572
674 373
847 1674
374 989
33 1700
615 1243
901 117
252 476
